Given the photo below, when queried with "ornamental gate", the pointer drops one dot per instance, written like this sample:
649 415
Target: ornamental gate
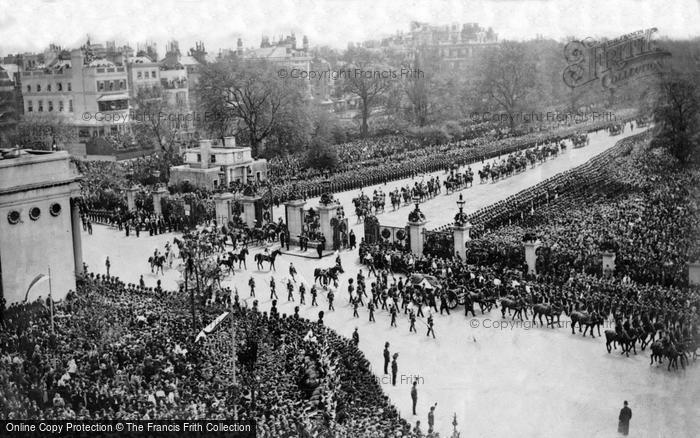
439 243
374 233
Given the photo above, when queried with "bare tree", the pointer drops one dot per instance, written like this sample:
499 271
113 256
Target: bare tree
507 77
247 97
676 115
364 78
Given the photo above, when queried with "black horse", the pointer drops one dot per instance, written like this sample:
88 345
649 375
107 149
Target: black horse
260 258
233 258
549 312
327 274
585 321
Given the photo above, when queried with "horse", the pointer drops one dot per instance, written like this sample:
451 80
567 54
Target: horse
327 274
626 341
157 262
260 258
240 257
549 312
518 306
483 301
585 320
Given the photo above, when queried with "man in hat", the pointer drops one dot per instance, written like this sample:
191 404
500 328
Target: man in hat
387 357
414 395
430 326
431 418
356 337
394 369
623 426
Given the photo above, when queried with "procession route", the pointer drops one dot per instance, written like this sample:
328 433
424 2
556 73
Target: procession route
535 382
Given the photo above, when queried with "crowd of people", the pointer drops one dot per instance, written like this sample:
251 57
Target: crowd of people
395 157
635 202
124 351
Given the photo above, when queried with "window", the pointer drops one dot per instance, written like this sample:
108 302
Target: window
50 105
213 158
60 105
122 84
59 86
70 87
48 88
145 74
41 106
199 158
30 107
100 86
111 85
38 88
29 88
139 75
70 105
153 74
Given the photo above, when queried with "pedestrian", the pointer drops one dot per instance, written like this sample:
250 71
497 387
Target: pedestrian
107 265
430 326
412 318
414 395
251 283
393 316
319 250
431 418
142 283
394 369
353 239
302 293
623 426
354 308
356 337
330 301
387 356
292 272
273 292
314 293
370 307
290 291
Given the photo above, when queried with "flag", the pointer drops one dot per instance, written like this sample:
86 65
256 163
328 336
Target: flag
211 328
37 280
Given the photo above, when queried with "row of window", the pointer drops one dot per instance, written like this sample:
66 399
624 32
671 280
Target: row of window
144 75
49 89
111 85
40 106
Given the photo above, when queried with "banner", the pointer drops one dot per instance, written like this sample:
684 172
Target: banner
37 280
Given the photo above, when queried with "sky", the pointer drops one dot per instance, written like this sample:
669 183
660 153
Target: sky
30 25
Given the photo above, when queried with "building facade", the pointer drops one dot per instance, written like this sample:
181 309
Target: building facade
219 163
39 224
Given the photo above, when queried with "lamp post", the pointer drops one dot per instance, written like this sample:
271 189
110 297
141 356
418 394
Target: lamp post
189 267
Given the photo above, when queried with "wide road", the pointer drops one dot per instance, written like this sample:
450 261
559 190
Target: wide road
499 379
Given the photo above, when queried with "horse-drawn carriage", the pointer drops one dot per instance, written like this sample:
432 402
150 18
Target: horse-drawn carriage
615 129
579 140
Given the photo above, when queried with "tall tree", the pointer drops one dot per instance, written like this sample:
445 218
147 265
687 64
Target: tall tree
43 131
508 78
159 118
247 97
677 114
365 70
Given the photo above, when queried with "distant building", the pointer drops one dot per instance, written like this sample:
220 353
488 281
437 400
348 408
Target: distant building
219 163
10 104
90 93
39 223
287 53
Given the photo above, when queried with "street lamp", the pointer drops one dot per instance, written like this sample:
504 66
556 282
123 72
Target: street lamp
189 268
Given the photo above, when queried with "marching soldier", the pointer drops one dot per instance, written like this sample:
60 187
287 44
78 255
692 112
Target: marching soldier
314 293
430 326
330 301
273 293
302 292
370 307
290 291
354 308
